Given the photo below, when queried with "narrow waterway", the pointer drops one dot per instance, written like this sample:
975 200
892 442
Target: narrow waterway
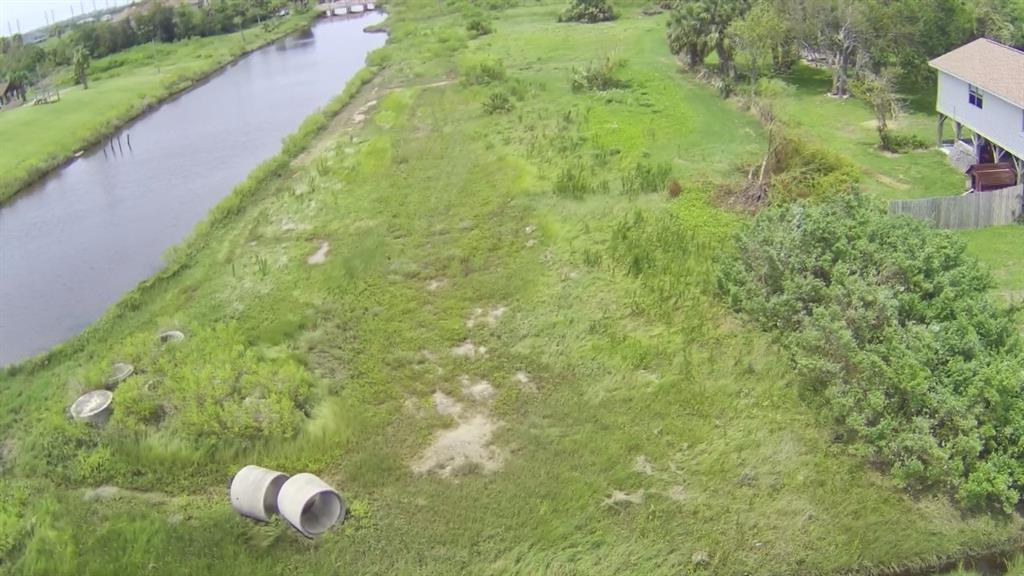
76 241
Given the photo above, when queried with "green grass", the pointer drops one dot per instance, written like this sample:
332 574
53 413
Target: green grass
611 312
848 127
1001 248
121 86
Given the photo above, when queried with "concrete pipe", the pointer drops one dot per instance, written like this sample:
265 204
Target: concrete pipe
310 505
93 407
254 492
119 373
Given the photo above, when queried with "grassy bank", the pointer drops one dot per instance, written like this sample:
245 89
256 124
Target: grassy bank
518 265
121 86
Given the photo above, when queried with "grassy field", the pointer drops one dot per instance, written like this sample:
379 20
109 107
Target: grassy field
121 86
613 416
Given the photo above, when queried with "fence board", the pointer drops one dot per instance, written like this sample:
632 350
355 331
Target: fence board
975 210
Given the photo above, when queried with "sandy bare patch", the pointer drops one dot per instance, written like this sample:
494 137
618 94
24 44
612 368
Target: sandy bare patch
446 405
436 284
476 389
108 492
464 447
892 182
360 115
412 407
523 380
530 229
620 497
642 465
320 256
677 493
469 350
531 242
488 317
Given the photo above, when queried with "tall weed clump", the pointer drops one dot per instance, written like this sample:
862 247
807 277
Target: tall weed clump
891 330
600 76
482 71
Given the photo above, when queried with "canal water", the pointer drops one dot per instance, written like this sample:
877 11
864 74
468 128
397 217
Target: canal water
74 243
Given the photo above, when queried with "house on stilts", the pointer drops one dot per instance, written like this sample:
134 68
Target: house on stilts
981 90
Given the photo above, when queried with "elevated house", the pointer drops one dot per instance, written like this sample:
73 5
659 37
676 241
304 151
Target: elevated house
981 90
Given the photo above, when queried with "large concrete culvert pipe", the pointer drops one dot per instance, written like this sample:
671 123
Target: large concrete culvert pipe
310 505
254 492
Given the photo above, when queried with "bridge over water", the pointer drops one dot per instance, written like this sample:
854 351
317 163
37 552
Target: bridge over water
340 7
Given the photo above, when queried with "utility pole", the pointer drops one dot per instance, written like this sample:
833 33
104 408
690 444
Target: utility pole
9 33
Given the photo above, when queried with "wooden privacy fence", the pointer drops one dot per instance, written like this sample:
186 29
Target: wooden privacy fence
975 210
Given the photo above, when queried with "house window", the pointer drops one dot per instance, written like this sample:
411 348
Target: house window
975 97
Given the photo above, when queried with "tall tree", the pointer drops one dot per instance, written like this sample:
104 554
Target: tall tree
762 39
832 30
879 92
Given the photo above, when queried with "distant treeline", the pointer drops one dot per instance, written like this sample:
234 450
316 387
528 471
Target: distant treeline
24 64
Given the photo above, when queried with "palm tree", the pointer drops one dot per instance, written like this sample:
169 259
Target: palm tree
699 26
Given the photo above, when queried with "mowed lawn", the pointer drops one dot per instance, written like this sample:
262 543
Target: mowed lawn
631 424
1002 248
121 86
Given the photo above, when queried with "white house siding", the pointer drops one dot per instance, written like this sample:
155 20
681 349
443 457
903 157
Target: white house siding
998 121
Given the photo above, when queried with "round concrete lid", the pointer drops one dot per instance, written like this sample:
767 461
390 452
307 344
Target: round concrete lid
119 372
172 336
91 403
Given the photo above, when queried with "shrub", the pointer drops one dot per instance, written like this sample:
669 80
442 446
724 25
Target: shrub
482 71
478 26
498 102
802 170
588 11
901 143
890 328
600 77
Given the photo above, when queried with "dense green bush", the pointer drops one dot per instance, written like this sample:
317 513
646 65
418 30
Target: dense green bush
889 324
588 11
600 76
901 143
